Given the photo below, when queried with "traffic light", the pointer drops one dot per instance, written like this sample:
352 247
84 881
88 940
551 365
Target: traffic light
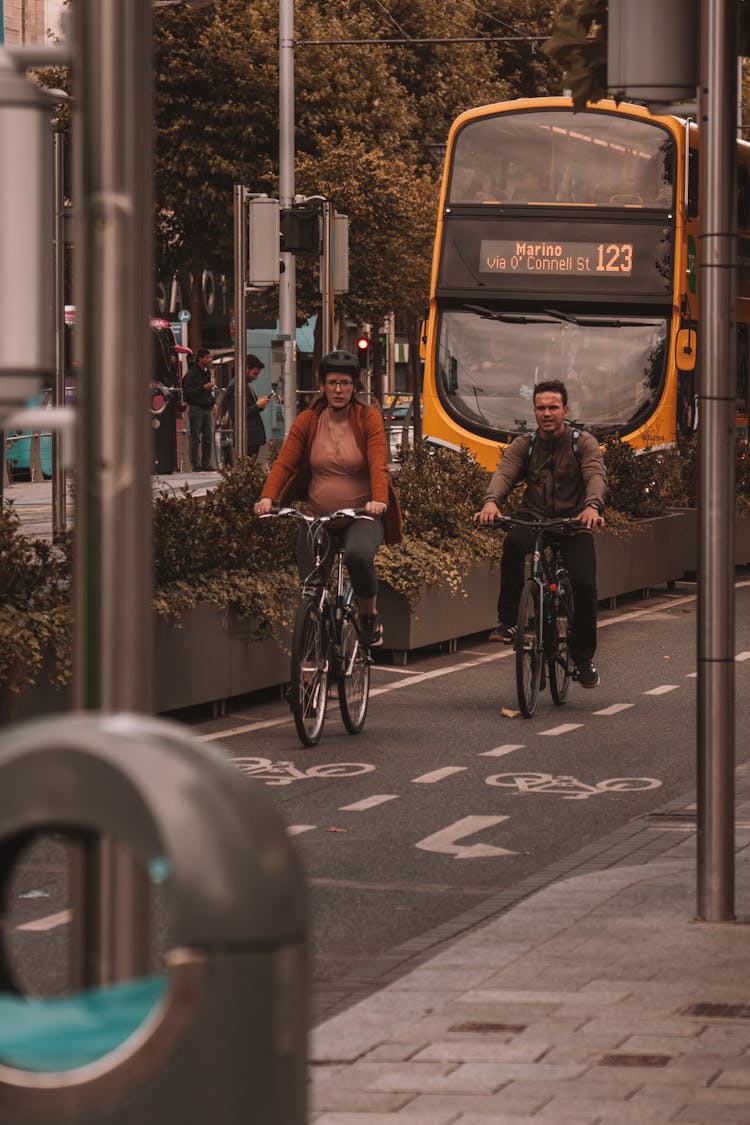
363 351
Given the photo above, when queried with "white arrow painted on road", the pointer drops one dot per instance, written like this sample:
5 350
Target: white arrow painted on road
445 841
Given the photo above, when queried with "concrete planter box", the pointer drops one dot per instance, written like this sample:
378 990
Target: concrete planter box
209 655
741 539
652 555
440 617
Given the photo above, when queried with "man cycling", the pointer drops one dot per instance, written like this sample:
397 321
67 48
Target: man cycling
565 476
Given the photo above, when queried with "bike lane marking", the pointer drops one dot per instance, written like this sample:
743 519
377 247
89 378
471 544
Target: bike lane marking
661 690
369 802
437 775
742 656
298 829
563 729
614 709
49 922
500 751
446 840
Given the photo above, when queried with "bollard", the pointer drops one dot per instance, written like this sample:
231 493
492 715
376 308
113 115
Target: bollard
220 1035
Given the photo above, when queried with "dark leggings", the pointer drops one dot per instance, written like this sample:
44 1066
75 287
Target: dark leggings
361 540
580 561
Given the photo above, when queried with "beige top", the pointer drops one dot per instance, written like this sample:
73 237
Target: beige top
340 474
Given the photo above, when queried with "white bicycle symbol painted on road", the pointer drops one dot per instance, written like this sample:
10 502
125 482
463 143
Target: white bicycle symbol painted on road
570 788
284 773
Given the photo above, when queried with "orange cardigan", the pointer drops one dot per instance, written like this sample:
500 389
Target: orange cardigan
289 478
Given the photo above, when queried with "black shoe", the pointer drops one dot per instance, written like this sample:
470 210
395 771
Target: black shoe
586 674
371 633
505 634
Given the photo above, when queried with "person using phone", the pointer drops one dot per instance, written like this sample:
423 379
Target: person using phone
256 404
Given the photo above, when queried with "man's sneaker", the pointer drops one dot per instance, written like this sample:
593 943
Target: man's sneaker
372 630
504 634
586 674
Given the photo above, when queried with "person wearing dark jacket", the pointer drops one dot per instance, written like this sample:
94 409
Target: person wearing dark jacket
565 476
256 404
198 392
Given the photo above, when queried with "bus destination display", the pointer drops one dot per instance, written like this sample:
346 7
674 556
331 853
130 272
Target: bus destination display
514 256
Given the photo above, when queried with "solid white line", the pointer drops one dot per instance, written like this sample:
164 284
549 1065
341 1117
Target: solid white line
742 656
614 709
661 690
562 729
369 803
50 922
393 668
692 676
437 775
298 829
500 751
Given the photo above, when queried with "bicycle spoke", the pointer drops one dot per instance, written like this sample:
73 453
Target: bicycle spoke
310 672
528 650
354 678
559 664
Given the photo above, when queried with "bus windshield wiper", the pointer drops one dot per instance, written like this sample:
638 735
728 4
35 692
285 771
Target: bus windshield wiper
563 316
507 318
601 321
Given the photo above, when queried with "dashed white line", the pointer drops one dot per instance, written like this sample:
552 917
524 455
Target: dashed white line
662 689
298 829
500 751
49 922
437 775
563 729
614 709
742 656
369 802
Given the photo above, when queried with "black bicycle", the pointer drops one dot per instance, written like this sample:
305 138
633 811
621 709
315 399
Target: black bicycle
326 640
545 615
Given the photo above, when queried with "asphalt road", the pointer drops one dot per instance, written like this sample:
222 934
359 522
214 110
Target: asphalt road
443 800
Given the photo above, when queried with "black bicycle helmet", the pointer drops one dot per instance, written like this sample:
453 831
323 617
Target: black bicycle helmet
339 361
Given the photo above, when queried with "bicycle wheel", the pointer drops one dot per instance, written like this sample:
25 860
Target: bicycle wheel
559 664
310 672
528 650
354 676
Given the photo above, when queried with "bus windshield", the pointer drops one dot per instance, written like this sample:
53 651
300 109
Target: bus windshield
489 362
592 159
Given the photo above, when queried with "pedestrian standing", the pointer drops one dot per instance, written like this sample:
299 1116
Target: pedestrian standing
256 404
198 392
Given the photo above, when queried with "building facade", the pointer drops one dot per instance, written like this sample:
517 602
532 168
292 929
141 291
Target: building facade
27 22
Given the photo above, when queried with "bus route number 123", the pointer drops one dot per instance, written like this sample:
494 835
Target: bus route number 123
614 257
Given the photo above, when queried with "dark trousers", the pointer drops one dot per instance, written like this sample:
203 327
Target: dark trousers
361 540
200 432
580 561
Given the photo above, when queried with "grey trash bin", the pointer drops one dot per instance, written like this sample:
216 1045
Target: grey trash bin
221 1036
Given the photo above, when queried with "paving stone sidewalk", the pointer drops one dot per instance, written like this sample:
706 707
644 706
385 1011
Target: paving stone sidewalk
599 1000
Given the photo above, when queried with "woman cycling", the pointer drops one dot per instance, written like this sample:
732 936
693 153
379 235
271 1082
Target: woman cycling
335 456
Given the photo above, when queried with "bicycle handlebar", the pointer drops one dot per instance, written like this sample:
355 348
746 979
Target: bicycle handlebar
342 513
563 524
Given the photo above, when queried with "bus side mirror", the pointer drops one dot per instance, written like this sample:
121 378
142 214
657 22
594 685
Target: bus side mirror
685 349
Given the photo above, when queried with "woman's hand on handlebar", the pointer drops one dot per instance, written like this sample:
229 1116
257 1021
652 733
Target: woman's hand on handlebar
488 514
375 508
263 506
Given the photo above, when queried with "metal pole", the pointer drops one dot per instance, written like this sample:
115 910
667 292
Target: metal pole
240 329
113 584
59 515
716 464
287 283
326 286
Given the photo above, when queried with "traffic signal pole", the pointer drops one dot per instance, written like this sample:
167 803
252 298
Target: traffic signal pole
288 280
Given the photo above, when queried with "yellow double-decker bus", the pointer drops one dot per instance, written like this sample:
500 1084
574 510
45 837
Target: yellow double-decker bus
567 248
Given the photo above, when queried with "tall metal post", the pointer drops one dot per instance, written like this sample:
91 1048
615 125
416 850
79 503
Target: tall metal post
326 279
240 326
716 465
113 74
288 281
59 517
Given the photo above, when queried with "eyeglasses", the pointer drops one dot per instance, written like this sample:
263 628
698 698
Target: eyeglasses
339 384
